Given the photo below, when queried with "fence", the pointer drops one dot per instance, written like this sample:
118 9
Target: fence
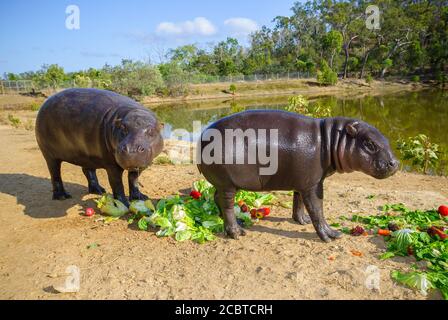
19 86
24 86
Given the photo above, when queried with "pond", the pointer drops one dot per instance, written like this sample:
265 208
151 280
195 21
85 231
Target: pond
398 115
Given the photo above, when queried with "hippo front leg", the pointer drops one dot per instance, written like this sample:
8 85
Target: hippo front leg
115 175
134 192
313 200
226 201
298 211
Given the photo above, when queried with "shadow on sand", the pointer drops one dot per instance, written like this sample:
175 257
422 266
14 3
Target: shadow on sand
34 193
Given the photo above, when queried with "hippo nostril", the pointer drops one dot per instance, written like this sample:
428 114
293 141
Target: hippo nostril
393 163
140 149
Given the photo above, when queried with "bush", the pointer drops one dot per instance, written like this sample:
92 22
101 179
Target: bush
299 104
35 106
232 88
326 76
369 79
14 121
420 151
415 78
176 80
135 79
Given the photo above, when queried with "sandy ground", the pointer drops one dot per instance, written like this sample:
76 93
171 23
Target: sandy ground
278 259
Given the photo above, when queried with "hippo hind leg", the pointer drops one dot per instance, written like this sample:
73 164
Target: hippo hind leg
298 212
226 200
92 180
54 166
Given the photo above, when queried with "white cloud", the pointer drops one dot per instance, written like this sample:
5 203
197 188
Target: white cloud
241 26
198 26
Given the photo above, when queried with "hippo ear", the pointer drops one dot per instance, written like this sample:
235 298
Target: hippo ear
352 129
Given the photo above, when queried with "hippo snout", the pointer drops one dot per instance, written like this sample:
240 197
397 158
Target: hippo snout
386 169
131 157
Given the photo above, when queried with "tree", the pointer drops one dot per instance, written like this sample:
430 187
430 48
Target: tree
332 42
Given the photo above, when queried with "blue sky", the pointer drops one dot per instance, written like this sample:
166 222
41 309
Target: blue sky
34 32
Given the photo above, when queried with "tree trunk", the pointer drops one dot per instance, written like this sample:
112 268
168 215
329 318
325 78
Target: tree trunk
364 62
347 55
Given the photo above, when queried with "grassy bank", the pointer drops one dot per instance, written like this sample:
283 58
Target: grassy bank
197 92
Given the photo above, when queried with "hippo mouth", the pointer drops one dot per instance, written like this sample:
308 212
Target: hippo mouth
383 171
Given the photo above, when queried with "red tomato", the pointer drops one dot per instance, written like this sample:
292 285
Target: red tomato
244 208
253 213
195 194
267 211
90 212
443 210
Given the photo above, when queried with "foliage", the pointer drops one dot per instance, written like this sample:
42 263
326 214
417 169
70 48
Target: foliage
414 238
422 153
232 88
135 78
415 78
186 218
300 104
369 79
412 39
14 121
326 76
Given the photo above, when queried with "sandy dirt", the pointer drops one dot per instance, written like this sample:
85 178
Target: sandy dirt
278 259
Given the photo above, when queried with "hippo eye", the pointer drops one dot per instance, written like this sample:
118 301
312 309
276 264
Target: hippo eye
370 146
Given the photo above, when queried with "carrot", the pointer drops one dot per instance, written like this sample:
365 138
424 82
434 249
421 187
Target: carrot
384 232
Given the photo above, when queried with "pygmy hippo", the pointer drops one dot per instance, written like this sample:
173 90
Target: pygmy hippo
98 129
307 150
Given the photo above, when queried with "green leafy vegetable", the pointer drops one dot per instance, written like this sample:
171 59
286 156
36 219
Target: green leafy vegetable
110 206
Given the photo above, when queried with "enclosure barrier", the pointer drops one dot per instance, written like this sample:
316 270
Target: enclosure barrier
26 86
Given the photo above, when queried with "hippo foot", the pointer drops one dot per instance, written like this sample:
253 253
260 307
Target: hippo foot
302 219
96 189
138 196
327 234
61 195
123 200
235 232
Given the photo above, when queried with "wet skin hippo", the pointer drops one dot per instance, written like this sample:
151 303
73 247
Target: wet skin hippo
309 150
97 129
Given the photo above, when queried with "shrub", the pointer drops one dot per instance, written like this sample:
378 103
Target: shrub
415 78
420 151
14 121
232 88
326 76
176 80
135 78
369 79
299 104
35 106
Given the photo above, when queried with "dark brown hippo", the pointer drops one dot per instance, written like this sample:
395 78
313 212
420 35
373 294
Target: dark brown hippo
97 129
309 150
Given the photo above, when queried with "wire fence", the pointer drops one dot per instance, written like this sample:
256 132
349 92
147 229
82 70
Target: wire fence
27 86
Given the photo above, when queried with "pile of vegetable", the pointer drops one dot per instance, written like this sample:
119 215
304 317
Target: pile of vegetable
195 217
422 234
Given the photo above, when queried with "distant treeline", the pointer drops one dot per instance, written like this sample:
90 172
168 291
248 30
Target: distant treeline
322 37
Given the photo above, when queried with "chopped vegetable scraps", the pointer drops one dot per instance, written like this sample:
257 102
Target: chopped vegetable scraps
417 233
111 207
196 217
